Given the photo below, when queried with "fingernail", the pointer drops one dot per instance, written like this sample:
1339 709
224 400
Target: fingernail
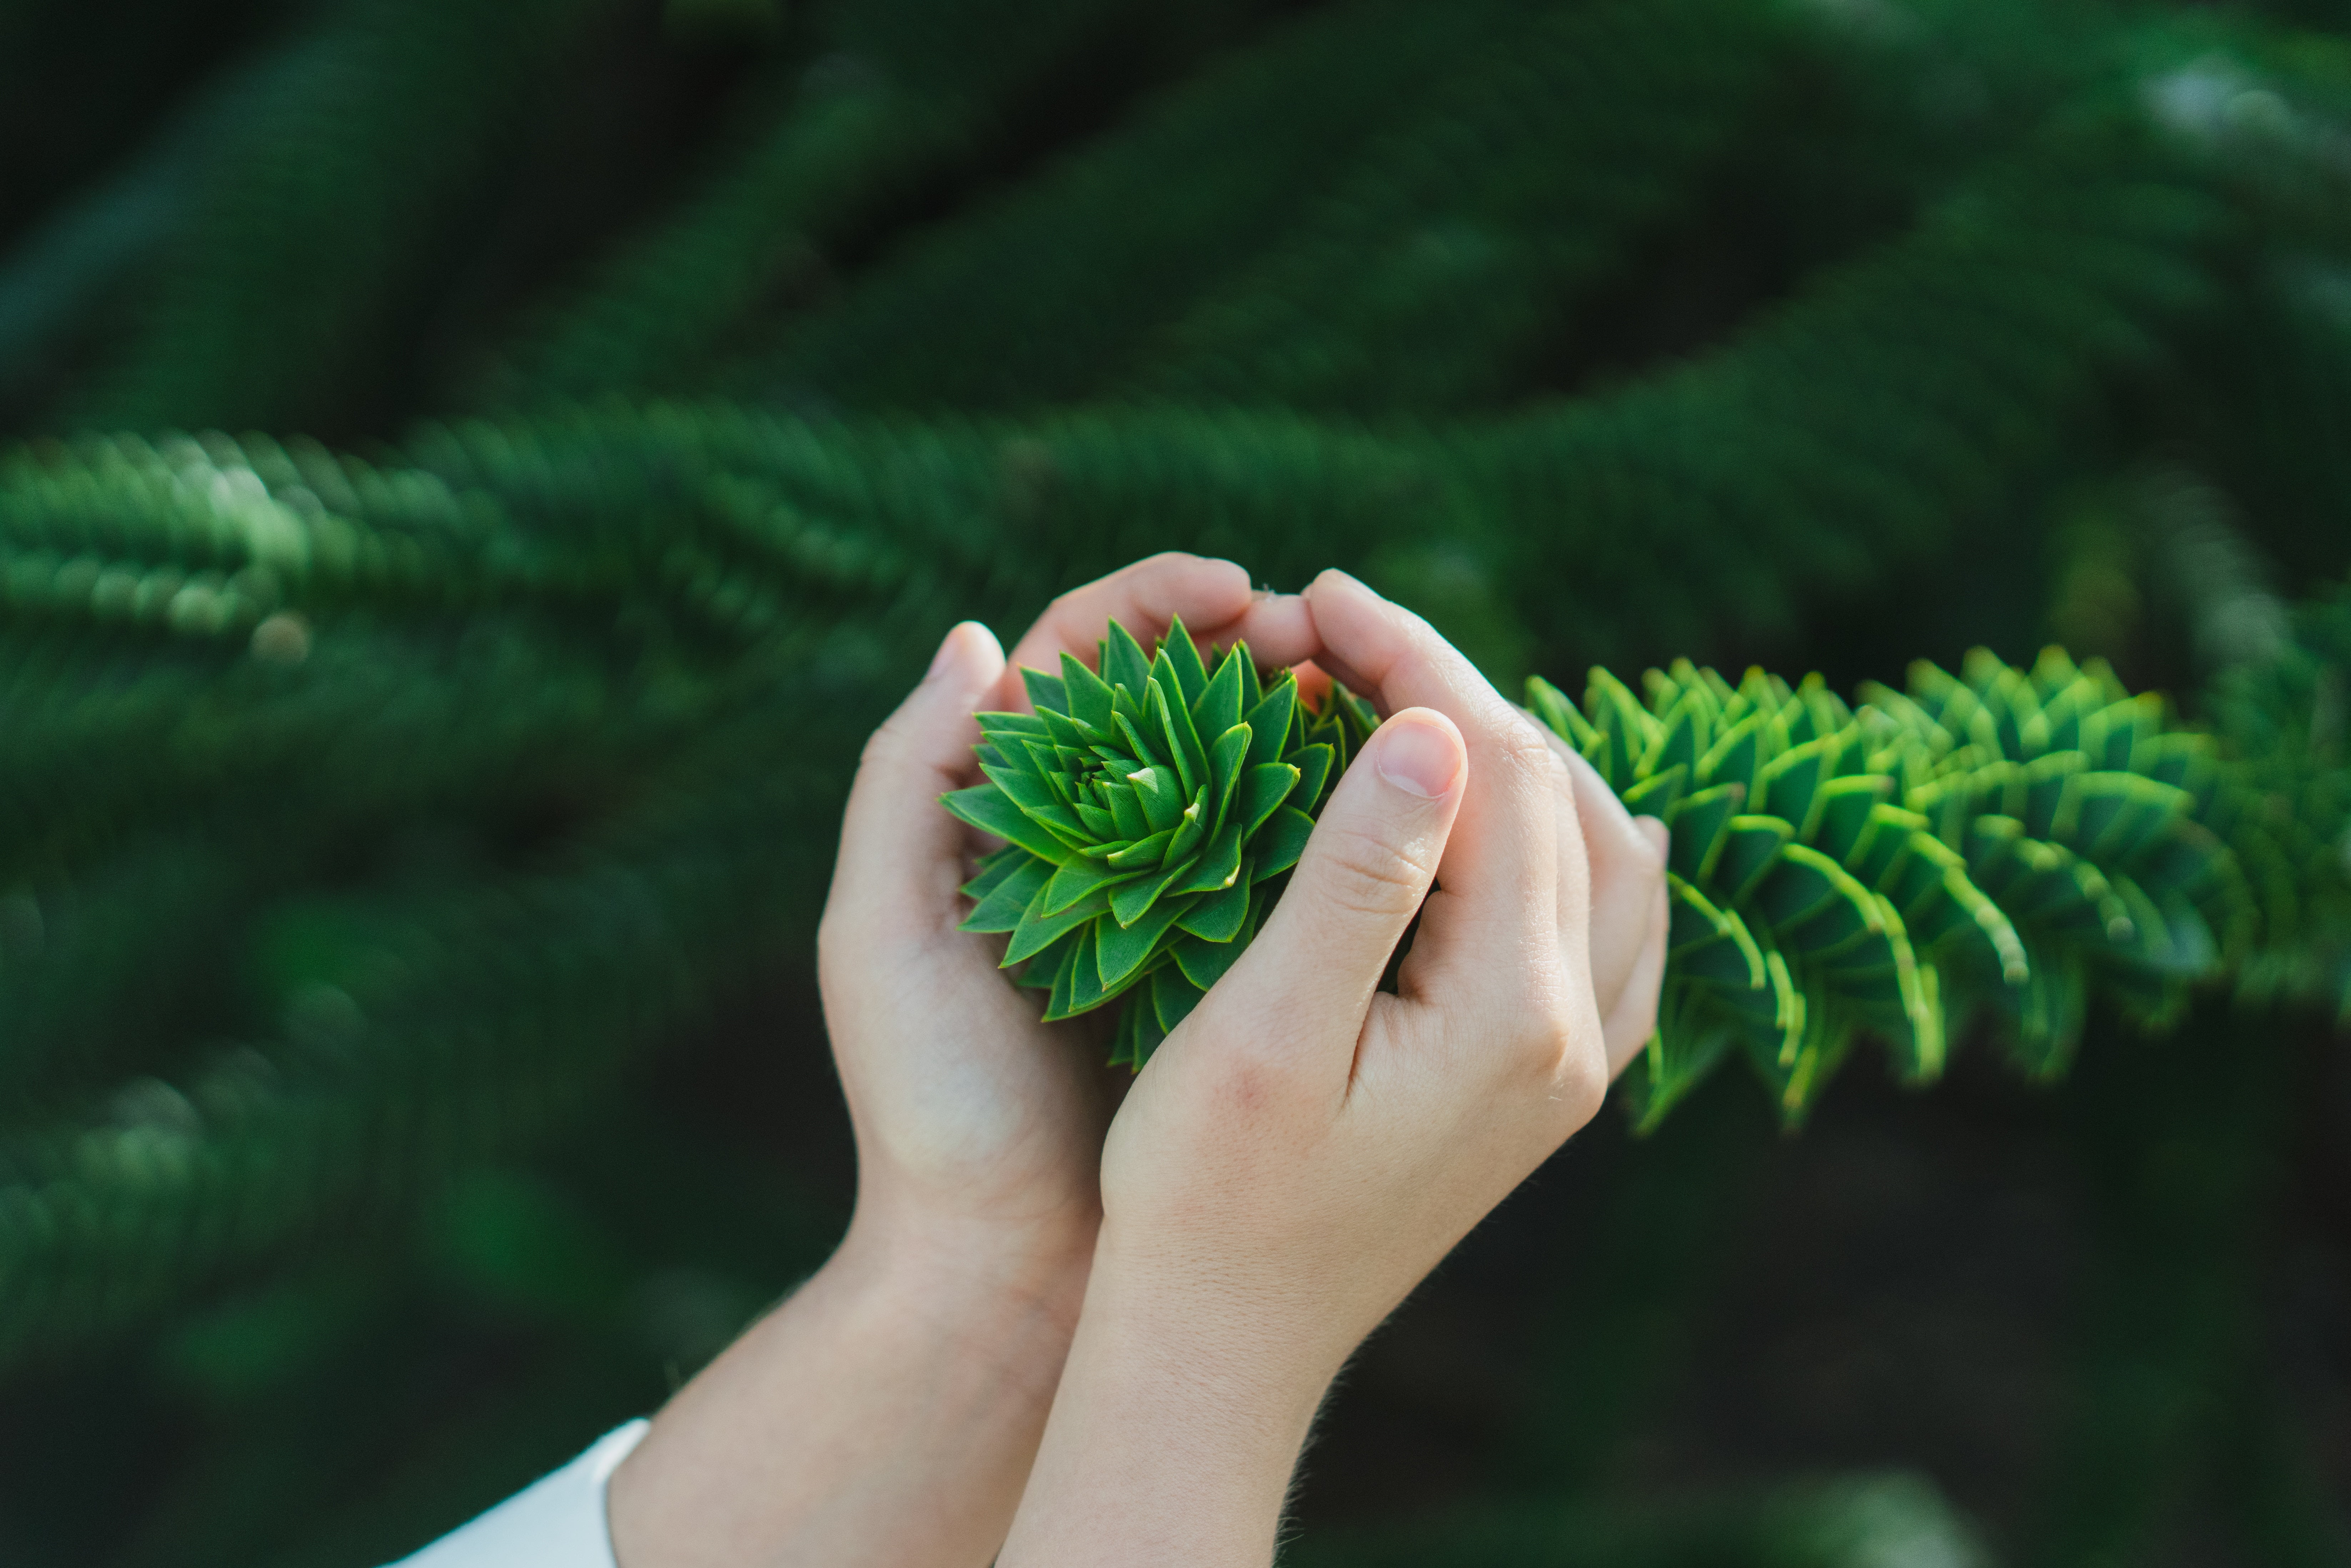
1417 758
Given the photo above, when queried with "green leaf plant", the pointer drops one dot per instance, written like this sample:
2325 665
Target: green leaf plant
1992 845
1150 814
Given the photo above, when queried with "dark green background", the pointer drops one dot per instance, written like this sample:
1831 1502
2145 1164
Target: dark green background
409 1057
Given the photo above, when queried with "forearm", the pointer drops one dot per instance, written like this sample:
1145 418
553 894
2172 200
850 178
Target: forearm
1169 1444
886 1414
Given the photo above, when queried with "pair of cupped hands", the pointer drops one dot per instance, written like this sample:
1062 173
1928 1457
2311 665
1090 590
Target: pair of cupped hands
1068 1326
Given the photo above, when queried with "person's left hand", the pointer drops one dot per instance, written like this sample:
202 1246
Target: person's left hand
888 1411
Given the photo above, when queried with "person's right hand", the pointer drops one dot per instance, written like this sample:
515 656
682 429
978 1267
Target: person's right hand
1303 1148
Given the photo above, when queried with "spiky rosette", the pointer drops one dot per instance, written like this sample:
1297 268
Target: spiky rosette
1149 813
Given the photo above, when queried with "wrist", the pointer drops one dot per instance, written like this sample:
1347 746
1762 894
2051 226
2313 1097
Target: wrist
885 1413
1264 1350
963 1274
1190 1412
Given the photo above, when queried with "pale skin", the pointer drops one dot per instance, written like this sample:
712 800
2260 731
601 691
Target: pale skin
1065 1345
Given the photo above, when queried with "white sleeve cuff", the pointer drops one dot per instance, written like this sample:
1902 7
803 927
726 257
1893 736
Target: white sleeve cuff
557 1523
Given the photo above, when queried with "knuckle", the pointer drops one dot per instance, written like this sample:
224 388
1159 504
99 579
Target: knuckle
1583 1088
1563 1050
1550 1039
1365 874
1523 748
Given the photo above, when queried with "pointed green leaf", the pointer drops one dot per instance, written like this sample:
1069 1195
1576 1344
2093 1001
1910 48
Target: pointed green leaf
994 868
1732 759
1081 880
1784 786
1046 764
1156 791
1218 865
1039 973
1205 963
1132 901
1658 793
1065 971
1123 662
1683 733
1144 854
1076 985
1192 830
1173 998
1550 705
1123 1044
1038 927
1708 944
1190 756
1191 676
1220 707
1127 701
1277 849
1315 766
989 809
1124 948
1218 917
1046 692
1038 802
1270 720
993 725
1842 810
1698 824
1037 930
1225 758
1086 988
1004 905
1751 848
1065 732
1148 1034
1125 809
1089 695
1261 790
1016 774
1150 749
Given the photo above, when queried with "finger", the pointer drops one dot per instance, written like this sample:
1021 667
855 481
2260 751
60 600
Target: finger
1494 938
1278 629
1633 1020
1366 870
1628 868
1213 597
901 854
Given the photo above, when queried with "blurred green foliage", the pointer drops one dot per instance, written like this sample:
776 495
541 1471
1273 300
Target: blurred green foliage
475 473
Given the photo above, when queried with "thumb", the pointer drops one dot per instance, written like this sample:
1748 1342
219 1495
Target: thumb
1368 865
901 853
